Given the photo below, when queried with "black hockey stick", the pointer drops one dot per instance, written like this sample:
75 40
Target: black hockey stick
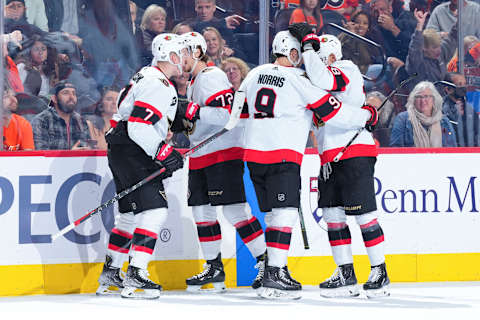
404 82
302 226
232 122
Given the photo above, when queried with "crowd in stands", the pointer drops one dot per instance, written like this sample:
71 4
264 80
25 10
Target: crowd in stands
65 62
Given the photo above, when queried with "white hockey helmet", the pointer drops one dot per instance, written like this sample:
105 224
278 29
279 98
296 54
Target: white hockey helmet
283 43
193 40
164 44
329 44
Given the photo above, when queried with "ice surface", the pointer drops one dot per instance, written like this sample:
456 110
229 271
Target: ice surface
447 300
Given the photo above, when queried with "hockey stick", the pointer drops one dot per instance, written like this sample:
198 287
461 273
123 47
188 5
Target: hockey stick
232 122
404 82
302 226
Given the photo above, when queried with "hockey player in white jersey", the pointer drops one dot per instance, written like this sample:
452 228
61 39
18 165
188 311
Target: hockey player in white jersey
281 100
216 171
136 149
346 187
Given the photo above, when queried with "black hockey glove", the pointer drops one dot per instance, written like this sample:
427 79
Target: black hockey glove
185 117
373 120
303 32
169 158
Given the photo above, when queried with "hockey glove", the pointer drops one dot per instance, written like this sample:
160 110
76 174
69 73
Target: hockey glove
185 117
169 158
373 120
303 32
192 112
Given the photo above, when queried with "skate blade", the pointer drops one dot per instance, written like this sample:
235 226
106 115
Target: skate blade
343 292
135 293
107 290
377 293
218 287
277 294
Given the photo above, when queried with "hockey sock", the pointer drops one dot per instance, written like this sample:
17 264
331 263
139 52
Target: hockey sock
278 234
210 237
118 246
121 239
145 236
340 242
252 235
373 238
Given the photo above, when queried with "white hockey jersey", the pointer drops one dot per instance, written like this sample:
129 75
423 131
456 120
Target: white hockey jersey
147 102
280 100
214 93
343 80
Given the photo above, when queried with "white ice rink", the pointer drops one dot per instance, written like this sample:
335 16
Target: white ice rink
448 300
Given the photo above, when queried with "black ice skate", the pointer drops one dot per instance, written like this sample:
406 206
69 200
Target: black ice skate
137 280
277 285
110 281
257 283
290 277
343 283
377 283
212 273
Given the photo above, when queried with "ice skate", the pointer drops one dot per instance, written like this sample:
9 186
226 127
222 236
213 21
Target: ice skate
277 285
137 285
377 283
289 276
343 283
257 282
110 281
212 273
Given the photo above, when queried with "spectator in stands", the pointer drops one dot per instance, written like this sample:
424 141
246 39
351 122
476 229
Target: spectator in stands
15 19
464 119
133 16
11 76
392 33
110 51
385 117
217 50
17 131
60 127
468 43
181 28
236 70
423 125
38 67
36 14
354 49
205 10
309 12
444 17
68 17
428 53
154 21
99 123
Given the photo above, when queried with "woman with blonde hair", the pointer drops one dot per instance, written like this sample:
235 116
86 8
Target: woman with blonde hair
154 21
423 125
217 50
236 70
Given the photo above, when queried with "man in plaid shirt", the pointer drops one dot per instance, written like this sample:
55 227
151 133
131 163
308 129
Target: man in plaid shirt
59 127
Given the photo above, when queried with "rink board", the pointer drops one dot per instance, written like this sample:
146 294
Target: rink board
428 205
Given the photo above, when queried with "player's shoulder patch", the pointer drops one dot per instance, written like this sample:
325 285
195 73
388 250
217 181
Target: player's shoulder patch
165 82
208 69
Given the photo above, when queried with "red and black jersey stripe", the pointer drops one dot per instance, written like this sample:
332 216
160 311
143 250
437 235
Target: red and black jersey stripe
144 240
221 99
209 232
120 241
338 237
250 230
278 237
145 113
340 80
325 108
372 233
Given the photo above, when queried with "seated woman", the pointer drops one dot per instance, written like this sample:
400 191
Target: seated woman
309 12
38 67
423 125
217 49
99 123
236 70
154 21
354 49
